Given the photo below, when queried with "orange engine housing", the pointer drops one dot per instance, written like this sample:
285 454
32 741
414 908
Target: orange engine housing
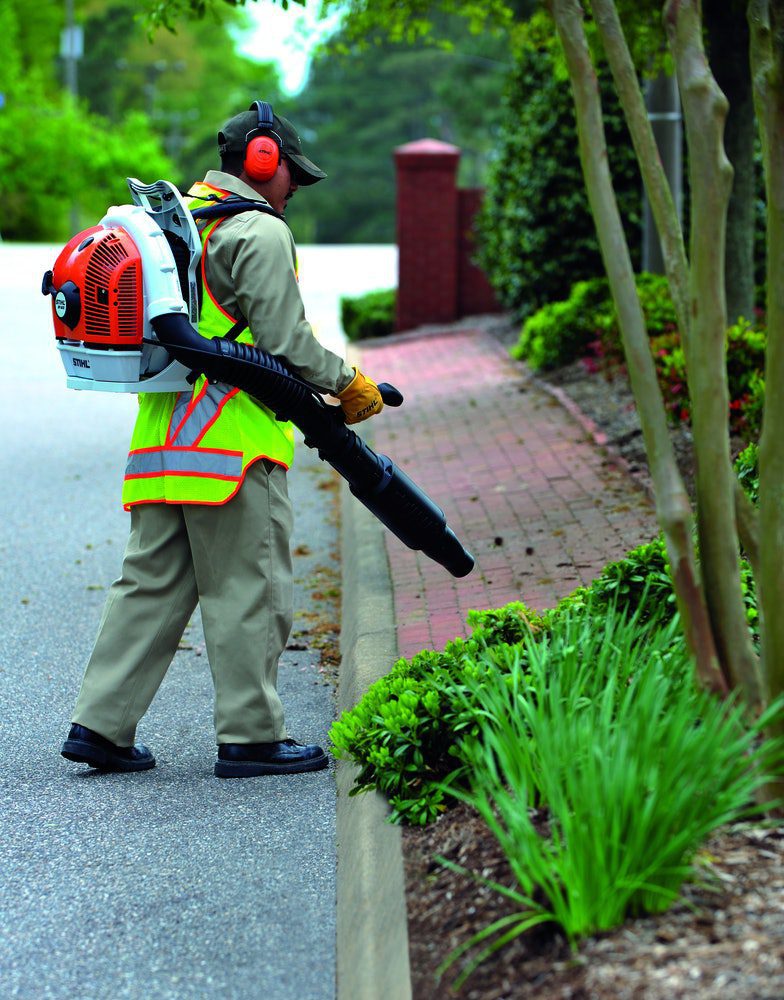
99 273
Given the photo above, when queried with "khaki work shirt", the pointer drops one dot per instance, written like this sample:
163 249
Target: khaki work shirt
250 264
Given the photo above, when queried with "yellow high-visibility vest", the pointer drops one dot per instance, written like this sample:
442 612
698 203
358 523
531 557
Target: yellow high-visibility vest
196 446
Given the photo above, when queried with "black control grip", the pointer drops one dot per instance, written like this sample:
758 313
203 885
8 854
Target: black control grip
390 395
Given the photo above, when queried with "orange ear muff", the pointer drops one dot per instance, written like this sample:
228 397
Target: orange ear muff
262 156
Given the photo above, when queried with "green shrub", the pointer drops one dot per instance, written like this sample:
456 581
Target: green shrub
536 237
369 315
745 380
406 731
640 583
747 471
562 331
635 766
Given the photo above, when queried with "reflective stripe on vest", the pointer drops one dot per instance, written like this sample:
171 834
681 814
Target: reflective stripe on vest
195 447
184 462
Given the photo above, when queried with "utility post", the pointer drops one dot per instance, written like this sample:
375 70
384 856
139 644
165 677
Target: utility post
71 51
664 111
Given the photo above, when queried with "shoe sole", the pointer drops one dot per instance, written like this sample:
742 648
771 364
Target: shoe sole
254 769
103 760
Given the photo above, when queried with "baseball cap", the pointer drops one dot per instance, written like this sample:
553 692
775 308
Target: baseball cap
232 138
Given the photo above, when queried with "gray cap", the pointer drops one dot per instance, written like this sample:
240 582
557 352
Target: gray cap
234 135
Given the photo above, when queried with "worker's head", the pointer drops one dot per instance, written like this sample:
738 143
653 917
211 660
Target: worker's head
265 151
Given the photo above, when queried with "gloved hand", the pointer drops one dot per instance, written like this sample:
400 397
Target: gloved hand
360 399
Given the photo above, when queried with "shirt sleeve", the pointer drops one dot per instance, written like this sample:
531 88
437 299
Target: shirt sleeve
263 272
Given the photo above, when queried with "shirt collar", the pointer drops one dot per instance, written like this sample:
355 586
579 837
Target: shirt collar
232 185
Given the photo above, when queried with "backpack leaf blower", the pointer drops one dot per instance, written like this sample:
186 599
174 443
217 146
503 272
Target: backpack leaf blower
122 324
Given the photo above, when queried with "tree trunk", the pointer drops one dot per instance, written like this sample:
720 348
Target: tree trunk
728 53
766 18
691 600
710 175
672 504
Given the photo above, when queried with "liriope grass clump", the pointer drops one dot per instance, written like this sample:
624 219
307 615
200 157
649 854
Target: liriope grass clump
633 764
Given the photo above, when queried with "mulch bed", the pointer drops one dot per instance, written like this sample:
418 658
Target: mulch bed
722 942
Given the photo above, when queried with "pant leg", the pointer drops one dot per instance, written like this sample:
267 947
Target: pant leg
145 614
243 570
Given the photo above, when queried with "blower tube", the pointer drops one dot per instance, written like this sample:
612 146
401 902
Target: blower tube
374 479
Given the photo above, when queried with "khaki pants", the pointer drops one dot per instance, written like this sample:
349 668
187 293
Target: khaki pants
234 560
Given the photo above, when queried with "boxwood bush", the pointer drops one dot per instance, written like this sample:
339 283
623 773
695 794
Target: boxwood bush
536 237
369 315
560 332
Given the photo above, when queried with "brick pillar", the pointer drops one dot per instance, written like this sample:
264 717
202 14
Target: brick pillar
474 292
427 233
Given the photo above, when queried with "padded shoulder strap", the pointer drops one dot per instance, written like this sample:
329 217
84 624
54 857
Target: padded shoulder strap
234 206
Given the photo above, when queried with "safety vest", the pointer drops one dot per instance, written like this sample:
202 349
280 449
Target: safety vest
196 446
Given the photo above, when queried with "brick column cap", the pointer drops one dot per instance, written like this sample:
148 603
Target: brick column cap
426 154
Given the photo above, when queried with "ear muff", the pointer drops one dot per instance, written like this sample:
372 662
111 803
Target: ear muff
262 156
263 145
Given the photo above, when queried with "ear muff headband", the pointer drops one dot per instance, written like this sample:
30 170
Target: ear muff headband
263 145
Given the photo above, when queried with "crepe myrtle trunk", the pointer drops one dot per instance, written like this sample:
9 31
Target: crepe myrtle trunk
766 20
672 503
710 177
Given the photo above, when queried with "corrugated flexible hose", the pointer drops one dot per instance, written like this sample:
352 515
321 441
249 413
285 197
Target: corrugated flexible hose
374 479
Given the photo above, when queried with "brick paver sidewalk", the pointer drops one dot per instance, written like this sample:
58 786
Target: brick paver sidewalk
522 484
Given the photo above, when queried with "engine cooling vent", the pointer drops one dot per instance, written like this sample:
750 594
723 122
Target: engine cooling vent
111 292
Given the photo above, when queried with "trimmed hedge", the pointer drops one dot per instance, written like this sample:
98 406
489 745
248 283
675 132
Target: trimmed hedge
536 236
369 315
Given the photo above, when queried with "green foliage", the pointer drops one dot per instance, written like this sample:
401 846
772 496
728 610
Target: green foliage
635 766
170 14
91 172
148 109
417 20
640 584
171 78
368 315
745 379
747 471
536 234
562 331
407 732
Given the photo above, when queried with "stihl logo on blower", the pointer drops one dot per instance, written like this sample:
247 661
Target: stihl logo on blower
122 324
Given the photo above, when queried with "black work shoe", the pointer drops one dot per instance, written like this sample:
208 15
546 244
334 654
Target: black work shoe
87 747
247 760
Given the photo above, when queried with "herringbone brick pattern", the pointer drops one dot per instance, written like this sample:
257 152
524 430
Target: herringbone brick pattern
522 484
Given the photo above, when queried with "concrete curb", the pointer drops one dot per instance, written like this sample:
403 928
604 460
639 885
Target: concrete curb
372 926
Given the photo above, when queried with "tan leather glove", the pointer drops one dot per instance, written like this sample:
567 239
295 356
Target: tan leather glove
360 399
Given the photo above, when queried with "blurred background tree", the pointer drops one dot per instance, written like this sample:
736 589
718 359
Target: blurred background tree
360 103
146 108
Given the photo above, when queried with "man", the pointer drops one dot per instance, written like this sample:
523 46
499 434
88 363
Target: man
206 486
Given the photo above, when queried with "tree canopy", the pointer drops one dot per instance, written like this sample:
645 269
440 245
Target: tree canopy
146 109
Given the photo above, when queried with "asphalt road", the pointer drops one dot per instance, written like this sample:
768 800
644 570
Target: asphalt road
167 883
